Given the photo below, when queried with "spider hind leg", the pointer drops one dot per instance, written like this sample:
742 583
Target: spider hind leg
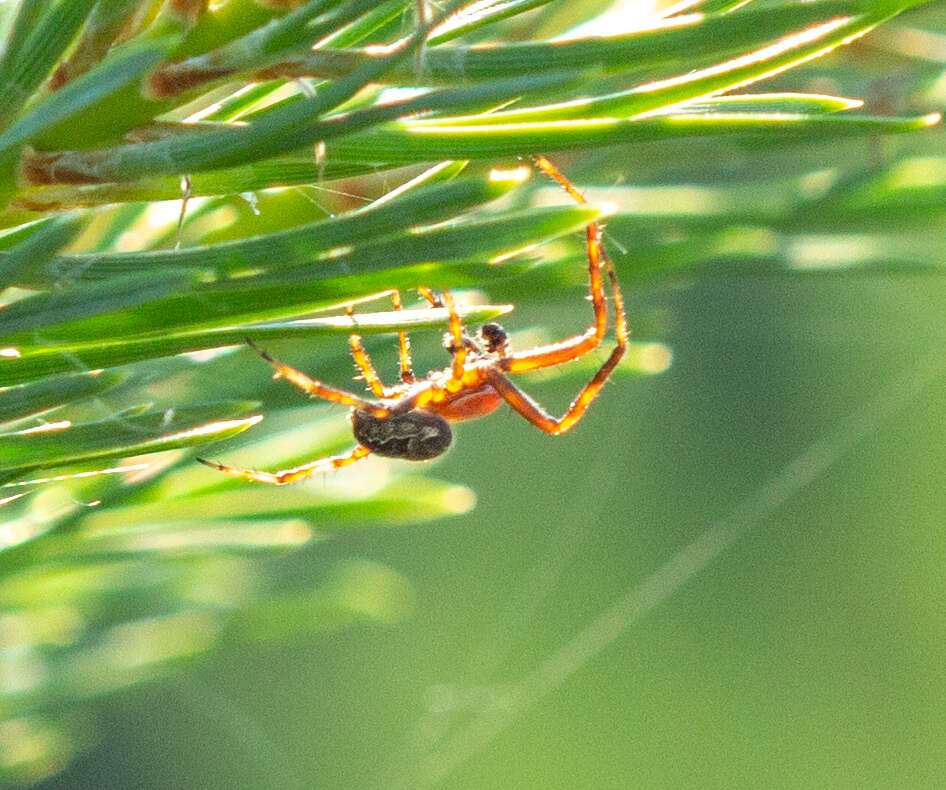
316 388
317 467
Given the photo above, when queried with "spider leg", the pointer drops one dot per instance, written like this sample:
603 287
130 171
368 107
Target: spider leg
528 408
316 388
295 474
404 346
459 344
363 361
577 345
459 348
430 296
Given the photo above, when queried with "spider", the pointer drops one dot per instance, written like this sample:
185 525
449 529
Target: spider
411 420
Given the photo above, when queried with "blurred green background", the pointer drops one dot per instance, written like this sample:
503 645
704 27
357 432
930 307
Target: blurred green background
730 574
809 653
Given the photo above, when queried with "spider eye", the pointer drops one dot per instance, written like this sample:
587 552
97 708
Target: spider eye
493 337
414 436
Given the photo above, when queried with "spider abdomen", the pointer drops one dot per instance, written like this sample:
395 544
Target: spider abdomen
414 436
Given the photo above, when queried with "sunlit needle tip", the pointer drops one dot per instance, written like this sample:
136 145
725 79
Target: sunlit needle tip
516 175
607 208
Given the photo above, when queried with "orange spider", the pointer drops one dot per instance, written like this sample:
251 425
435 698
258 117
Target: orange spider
411 420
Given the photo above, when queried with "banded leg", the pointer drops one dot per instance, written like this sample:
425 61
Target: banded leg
459 348
459 345
573 347
534 413
316 388
363 361
295 474
403 346
577 345
430 296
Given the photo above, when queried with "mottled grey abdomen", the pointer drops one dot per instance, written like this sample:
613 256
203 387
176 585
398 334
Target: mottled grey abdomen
414 436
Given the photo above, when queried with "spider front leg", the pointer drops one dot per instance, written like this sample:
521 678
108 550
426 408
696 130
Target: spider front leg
577 345
458 344
458 348
528 408
295 474
316 388
573 347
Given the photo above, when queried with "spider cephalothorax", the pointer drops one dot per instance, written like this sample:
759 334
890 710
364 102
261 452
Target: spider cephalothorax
411 420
